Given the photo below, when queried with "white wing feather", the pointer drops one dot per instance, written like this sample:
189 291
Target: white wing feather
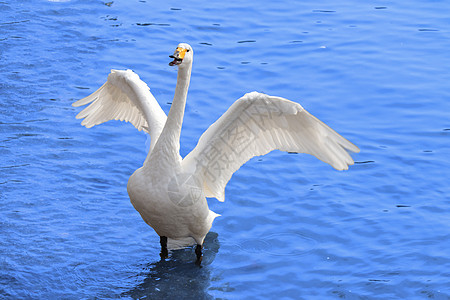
124 97
255 125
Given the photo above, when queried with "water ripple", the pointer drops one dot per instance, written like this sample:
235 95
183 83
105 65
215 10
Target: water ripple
283 244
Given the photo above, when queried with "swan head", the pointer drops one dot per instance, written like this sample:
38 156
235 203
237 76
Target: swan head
182 55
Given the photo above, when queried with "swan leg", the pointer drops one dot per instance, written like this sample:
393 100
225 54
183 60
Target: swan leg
198 252
164 252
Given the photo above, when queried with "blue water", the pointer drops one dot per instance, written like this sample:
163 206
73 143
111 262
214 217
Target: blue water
291 226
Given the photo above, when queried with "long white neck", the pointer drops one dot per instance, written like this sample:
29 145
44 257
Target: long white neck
168 145
176 113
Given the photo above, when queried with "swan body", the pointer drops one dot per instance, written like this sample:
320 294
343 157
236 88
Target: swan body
170 192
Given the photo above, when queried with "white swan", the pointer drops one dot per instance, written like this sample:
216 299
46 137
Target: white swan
168 191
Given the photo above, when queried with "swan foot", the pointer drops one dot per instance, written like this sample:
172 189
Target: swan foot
198 252
164 252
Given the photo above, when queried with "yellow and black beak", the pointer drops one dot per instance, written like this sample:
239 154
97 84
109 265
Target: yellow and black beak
178 56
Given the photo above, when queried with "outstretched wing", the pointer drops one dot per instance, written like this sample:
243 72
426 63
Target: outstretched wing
255 125
124 97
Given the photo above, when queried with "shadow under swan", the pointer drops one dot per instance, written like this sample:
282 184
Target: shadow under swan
176 277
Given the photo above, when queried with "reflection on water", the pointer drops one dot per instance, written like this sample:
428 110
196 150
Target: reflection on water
178 276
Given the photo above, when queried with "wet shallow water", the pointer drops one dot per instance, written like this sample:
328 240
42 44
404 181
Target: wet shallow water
291 226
